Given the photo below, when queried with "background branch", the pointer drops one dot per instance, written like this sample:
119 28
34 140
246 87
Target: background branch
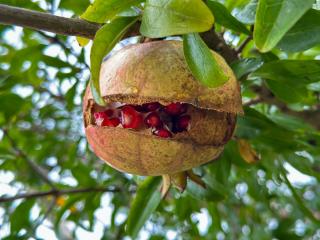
47 22
39 171
311 116
57 193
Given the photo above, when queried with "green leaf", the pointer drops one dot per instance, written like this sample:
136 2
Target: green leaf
173 17
224 18
19 219
106 38
245 66
10 104
274 18
55 62
298 72
214 190
69 96
304 34
248 13
76 8
220 169
146 201
101 10
290 93
201 61
255 125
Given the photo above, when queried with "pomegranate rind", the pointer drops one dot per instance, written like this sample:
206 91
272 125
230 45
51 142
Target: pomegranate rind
135 153
157 71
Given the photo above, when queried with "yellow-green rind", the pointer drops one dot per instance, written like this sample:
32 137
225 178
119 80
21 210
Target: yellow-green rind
157 71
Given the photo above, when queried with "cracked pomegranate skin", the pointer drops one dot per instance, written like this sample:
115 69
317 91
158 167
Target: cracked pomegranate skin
157 72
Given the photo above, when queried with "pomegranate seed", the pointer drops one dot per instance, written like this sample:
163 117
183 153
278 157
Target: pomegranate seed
109 112
130 118
176 108
163 133
112 122
150 107
182 123
153 120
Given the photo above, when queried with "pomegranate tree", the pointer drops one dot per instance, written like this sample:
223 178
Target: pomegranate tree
158 119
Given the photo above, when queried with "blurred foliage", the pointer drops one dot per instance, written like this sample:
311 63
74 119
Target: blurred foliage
43 147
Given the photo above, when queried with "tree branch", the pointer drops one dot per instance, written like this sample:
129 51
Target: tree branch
311 116
47 22
39 171
57 193
244 44
215 42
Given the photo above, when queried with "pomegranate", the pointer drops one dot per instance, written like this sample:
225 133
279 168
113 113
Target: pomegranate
168 122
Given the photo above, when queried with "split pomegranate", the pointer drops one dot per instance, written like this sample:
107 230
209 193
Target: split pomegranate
158 119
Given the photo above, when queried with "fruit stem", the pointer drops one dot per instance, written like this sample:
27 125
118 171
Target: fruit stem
179 181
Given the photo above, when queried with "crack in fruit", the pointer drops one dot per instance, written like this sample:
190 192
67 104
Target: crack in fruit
163 120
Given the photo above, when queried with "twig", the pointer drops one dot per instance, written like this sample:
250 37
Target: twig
311 116
296 196
217 43
56 193
253 102
243 44
39 171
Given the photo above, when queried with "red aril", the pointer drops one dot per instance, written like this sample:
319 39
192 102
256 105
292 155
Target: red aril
163 133
176 108
153 120
113 122
130 118
182 123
